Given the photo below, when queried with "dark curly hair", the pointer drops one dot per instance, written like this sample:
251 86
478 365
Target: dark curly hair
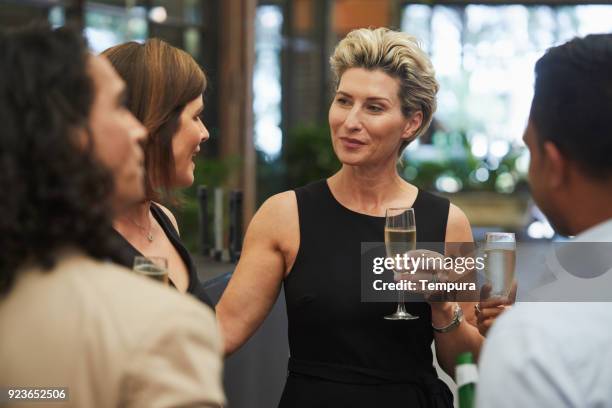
55 194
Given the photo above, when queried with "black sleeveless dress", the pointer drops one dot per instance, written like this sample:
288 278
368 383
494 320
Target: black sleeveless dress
126 253
343 352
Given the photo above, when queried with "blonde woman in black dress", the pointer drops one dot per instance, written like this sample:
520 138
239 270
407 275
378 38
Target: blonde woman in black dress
343 353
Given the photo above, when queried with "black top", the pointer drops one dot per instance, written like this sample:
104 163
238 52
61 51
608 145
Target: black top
335 338
127 253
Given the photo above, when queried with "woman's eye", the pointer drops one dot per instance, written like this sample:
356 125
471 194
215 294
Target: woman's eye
342 101
375 108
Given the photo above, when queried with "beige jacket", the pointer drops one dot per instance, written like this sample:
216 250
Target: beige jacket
111 337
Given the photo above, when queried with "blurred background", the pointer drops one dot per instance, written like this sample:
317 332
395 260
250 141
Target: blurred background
270 88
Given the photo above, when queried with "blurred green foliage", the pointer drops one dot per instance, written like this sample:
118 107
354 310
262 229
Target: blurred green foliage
450 156
271 177
211 173
309 155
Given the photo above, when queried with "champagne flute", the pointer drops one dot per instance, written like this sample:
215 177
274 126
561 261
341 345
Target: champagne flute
400 238
155 267
500 253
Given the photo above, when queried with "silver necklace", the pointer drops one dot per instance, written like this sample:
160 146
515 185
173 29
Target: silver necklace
148 233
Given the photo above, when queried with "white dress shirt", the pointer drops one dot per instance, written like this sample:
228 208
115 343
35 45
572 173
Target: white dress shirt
551 354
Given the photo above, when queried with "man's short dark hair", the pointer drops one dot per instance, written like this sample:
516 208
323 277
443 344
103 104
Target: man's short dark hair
54 193
572 103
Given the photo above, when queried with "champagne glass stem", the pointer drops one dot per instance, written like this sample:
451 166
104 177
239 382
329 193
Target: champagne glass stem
401 307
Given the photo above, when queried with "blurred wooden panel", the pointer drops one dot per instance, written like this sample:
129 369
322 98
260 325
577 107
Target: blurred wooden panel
237 54
351 14
303 21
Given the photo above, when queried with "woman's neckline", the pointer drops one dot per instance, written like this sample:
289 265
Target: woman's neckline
345 208
157 214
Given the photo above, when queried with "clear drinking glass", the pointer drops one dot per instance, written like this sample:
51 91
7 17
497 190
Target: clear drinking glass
400 238
500 253
155 267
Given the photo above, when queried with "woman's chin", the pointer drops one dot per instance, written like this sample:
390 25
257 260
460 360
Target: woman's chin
186 180
351 159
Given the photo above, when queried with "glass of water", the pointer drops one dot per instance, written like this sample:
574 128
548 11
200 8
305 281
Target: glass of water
500 253
155 267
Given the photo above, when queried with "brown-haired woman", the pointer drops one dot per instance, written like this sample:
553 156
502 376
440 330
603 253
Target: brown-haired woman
164 91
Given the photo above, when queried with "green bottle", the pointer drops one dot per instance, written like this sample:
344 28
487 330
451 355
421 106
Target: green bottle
466 376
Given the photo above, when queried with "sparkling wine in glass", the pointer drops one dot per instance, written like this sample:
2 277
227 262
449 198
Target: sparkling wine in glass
500 253
155 267
400 238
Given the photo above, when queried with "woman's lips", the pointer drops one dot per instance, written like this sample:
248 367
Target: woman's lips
351 143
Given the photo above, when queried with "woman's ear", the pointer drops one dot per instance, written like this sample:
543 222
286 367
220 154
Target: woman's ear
413 123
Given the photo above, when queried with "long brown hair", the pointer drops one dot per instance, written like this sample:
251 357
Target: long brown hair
160 80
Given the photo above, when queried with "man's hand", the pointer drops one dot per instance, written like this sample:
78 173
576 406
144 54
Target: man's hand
490 308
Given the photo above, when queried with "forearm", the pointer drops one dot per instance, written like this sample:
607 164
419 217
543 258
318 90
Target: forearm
238 318
464 337
257 279
233 337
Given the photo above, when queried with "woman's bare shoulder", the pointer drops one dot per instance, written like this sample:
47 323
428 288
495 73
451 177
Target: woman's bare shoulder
458 227
276 226
278 211
168 214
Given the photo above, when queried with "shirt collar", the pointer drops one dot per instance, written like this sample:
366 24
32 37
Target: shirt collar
601 232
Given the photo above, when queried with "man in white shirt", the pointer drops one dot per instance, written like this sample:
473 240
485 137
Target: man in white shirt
69 156
559 354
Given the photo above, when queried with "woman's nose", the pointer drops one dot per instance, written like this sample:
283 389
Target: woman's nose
204 136
352 120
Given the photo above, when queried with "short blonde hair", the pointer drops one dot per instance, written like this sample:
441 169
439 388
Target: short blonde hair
400 56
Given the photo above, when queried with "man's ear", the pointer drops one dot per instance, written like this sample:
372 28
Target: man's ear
555 165
412 124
